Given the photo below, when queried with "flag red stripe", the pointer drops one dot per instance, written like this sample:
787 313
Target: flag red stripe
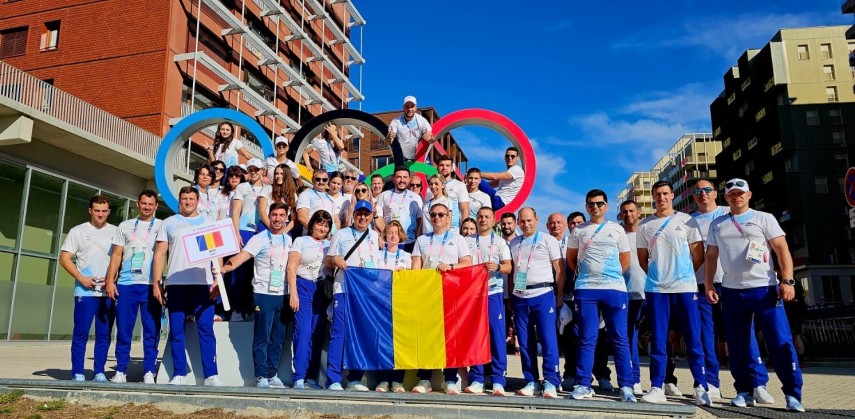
467 337
218 239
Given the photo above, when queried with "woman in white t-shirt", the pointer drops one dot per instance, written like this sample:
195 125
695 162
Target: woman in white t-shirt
227 148
305 269
209 194
234 177
468 227
439 196
339 198
360 193
282 190
396 259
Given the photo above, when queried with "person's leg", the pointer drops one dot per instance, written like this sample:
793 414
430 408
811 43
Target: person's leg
261 335
104 320
127 306
568 349
543 314
614 313
241 296
85 309
277 336
520 308
318 325
601 356
177 303
302 339
686 311
769 310
335 351
708 342
150 319
587 318
737 316
204 312
633 317
495 200
658 307
499 357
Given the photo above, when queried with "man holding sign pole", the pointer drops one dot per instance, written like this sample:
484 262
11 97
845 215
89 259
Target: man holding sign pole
190 287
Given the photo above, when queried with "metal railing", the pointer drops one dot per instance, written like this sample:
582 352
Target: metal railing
830 331
45 98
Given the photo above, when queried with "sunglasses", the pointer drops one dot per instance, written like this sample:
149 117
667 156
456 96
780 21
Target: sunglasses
351 177
438 215
598 204
219 169
510 156
252 170
705 190
415 185
361 190
235 175
738 183
281 145
321 179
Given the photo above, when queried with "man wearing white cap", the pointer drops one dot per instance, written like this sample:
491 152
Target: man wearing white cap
408 128
750 289
280 157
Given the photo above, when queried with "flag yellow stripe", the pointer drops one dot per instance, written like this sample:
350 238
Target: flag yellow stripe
209 240
418 322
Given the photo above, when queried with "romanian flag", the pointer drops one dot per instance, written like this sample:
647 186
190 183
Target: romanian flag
415 319
209 241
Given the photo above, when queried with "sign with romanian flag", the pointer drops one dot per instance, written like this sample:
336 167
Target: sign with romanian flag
210 241
415 319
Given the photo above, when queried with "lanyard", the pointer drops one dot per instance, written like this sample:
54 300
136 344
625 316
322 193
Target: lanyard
403 196
441 246
658 232
270 238
738 227
386 255
478 245
359 249
332 203
530 252
134 234
591 239
563 247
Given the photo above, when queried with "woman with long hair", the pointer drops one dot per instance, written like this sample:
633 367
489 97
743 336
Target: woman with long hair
360 193
438 196
219 172
279 157
234 177
468 227
282 190
226 148
338 196
203 181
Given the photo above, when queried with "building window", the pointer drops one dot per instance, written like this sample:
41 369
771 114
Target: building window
812 117
804 52
825 51
768 177
831 94
746 83
841 162
820 184
743 108
50 37
749 167
731 98
380 161
725 143
760 114
838 137
737 154
791 164
752 143
13 42
769 84
777 148
828 72
836 116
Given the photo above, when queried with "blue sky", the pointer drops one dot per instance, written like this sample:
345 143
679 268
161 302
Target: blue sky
602 89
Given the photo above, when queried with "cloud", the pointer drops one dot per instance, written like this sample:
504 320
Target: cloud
727 35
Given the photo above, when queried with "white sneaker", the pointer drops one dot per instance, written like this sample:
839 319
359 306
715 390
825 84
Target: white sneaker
498 390
474 388
422 387
762 396
214 381
655 395
120 377
702 398
356 386
275 382
397 387
672 390
451 388
530 389
177 380
383 387
636 388
260 382
714 392
148 378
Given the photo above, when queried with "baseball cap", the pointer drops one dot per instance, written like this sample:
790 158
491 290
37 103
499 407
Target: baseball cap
362 204
565 316
256 163
410 99
736 184
280 139
242 167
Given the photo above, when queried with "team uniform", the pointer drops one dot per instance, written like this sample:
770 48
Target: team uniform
600 287
271 162
138 239
310 319
750 291
427 227
477 200
270 253
92 248
670 288
188 295
315 201
404 207
635 279
532 300
506 190
408 134
209 203
229 156
457 193
249 223
329 158
492 248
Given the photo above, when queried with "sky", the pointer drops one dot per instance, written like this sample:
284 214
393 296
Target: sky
601 89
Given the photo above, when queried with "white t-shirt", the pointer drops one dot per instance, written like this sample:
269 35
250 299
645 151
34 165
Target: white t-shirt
342 201
229 156
508 189
394 260
704 220
363 256
409 133
634 276
491 248
209 203
92 248
327 154
312 254
178 272
457 193
249 193
315 201
269 262
224 205
427 227
271 162
740 273
599 247
446 248
138 239
405 207
670 268
477 200
534 256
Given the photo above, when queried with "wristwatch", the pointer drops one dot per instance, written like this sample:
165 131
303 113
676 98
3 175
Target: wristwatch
789 282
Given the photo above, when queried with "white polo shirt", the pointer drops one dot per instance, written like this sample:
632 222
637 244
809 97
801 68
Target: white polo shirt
446 248
363 256
92 248
490 248
634 277
312 253
409 133
508 189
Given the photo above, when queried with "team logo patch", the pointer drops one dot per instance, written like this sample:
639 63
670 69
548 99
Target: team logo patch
551 310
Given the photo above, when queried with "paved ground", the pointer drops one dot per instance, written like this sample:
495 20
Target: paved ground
828 389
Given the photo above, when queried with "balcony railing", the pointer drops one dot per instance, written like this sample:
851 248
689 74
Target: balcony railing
45 98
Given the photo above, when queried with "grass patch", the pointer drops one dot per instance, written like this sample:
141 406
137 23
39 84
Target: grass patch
11 397
36 416
6 410
52 405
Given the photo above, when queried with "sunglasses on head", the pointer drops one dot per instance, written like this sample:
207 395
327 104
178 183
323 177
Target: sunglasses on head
321 179
738 183
598 204
438 215
705 190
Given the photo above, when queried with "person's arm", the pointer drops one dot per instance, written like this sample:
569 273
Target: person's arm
334 137
505 267
290 224
159 259
464 210
210 150
463 262
303 216
262 213
572 255
710 266
243 153
392 132
307 157
785 262
291 270
493 176
642 259
67 264
558 267
417 262
235 261
237 207
113 271
624 261
697 250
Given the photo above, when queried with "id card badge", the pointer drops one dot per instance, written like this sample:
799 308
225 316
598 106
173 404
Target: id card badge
495 280
756 252
396 216
369 264
137 261
520 280
277 280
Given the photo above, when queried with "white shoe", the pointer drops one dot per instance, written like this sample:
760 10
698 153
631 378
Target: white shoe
260 382
148 378
672 390
702 398
451 388
474 388
397 387
530 389
714 392
636 388
177 380
422 387
120 377
214 381
356 386
655 395
762 396
499 390
383 387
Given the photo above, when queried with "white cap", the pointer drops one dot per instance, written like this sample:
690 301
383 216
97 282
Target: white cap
254 163
736 185
410 99
565 316
280 139
242 167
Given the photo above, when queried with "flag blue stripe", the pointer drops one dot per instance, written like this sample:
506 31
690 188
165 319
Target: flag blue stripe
368 313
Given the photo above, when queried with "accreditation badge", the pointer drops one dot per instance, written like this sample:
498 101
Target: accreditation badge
277 280
137 261
756 252
520 281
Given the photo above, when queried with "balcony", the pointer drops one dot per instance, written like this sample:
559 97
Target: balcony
338 33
